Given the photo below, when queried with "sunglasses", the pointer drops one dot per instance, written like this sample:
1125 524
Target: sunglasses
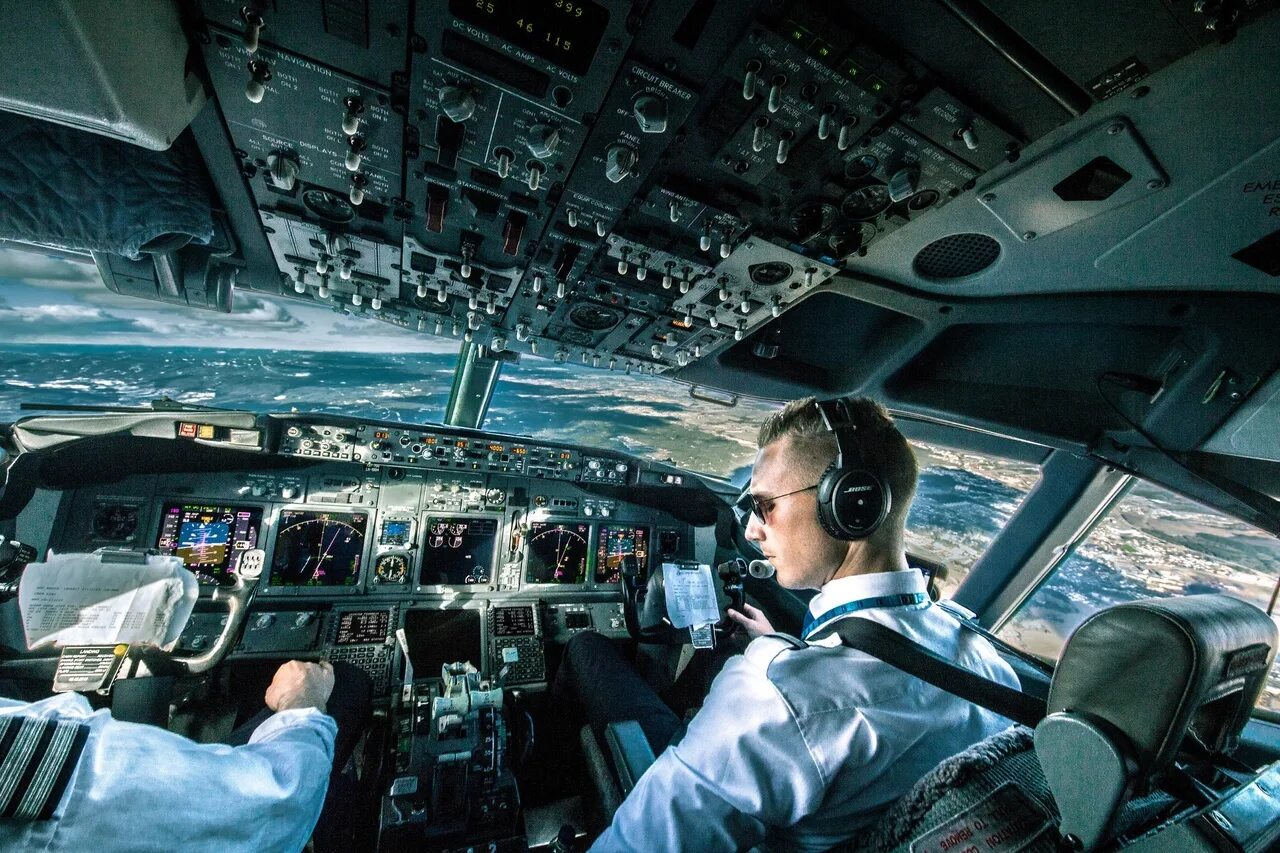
748 504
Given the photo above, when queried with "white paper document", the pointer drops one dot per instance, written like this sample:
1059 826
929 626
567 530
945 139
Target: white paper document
691 595
77 599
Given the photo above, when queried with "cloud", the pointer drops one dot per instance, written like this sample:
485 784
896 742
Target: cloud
21 265
58 314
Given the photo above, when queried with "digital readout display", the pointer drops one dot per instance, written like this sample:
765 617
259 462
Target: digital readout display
318 548
558 552
513 622
616 546
564 32
210 539
458 550
395 531
365 626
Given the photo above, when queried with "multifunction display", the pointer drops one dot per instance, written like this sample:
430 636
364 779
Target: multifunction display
558 552
458 550
513 622
318 548
210 538
365 626
396 531
617 546
562 32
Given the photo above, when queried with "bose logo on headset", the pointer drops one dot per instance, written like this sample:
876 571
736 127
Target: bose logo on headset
842 516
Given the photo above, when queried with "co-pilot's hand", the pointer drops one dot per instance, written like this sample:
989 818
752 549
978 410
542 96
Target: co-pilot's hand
300 685
752 620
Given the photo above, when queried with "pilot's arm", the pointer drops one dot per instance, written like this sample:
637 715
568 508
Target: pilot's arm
142 788
742 767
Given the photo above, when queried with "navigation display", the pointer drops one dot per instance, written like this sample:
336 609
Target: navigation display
557 552
365 626
210 538
618 544
566 33
513 622
458 550
437 637
318 548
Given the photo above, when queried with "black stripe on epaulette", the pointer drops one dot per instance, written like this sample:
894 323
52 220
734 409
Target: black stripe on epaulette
40 774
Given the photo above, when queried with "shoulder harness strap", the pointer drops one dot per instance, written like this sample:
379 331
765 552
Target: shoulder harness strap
912 658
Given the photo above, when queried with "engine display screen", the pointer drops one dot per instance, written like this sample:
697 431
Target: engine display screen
458 550
318 548
211 539
365 626
558 552
565 32
437 637
513 622
616 546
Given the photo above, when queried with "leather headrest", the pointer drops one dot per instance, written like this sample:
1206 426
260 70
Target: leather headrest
1157 668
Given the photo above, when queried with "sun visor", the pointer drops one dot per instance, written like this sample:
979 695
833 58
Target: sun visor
1251 431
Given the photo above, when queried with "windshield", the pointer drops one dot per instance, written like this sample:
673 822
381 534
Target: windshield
68 340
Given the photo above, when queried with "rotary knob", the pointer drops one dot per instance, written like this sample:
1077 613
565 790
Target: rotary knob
619 161
650 111
457 103
543 141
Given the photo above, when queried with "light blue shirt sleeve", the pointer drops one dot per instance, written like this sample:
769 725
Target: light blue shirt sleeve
742 767
142 788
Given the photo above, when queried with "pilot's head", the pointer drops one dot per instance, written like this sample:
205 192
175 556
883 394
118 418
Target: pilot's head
795 448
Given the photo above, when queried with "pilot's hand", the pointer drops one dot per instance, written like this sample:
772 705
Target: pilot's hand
300 685
753 621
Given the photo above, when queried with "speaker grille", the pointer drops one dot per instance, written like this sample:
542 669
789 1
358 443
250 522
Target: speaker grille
956 256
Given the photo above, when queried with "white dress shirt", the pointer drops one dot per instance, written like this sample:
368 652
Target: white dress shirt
800 748
141 788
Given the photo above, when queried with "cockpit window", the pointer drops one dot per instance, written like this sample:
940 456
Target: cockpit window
646 416
962 502
1152 544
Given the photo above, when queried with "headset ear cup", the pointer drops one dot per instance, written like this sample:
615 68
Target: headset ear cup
852 502
826 514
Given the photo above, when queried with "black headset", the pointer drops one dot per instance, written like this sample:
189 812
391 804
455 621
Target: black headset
852 501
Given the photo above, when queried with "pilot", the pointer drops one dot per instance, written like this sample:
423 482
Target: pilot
136 787
798 744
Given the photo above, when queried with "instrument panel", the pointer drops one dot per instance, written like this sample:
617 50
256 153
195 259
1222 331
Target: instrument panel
491 562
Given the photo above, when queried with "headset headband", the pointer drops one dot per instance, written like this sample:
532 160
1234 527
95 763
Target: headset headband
835 413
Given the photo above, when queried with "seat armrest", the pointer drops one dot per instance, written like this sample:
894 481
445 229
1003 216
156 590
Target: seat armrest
631 752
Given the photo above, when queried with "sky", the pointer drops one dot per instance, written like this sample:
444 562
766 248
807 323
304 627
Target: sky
48 300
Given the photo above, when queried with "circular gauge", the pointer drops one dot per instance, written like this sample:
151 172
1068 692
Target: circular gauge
771 273
595 318
866 202
391 568
328 206
845 240
860 166
115 522
809 220
923 200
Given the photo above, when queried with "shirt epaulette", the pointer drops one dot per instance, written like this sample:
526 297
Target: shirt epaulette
37 759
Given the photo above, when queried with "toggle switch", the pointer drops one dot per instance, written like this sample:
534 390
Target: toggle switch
351 118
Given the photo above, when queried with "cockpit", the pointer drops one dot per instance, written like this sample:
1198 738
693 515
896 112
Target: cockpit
424 338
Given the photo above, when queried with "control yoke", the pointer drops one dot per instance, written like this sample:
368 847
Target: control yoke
651 599
236 598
